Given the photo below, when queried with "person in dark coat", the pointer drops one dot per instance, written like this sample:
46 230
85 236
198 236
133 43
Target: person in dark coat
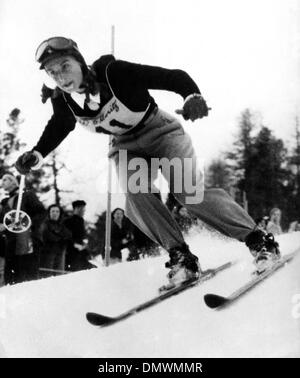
77 257
22 250
55 237
121 235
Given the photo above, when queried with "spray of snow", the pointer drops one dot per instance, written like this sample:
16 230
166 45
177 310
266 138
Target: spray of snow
46 318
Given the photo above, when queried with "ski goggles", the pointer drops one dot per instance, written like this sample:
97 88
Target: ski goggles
52 46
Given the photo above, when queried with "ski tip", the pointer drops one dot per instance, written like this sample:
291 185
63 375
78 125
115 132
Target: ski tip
214 301
98 319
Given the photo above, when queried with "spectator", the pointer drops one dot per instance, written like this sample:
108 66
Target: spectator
77 256
23 249
273 225
55 237
121 235
294 226
262 222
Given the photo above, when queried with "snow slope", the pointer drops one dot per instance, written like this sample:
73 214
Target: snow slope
46 318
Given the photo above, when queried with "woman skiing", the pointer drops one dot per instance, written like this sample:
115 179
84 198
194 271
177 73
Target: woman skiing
112 97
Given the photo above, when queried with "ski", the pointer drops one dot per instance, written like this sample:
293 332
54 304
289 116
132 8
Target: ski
218 302
103 320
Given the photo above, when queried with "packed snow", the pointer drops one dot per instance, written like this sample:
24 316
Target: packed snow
46 318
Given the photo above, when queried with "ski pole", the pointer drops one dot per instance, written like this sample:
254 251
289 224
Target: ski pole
17 221
20 196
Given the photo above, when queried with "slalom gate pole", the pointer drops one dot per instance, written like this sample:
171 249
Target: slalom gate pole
109 180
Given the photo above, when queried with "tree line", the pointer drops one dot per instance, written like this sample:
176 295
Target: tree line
259 171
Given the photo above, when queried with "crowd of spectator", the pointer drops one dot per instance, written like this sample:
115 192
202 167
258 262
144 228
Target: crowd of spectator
57 243
272 222
54 243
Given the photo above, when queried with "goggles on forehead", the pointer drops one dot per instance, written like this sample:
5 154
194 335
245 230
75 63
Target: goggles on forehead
53 45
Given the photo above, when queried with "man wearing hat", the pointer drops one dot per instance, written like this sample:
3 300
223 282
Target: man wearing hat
77 253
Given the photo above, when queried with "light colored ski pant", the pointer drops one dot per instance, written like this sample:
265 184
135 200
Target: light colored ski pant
164 137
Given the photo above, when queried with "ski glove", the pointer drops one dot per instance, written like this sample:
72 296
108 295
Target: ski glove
26 162
194 107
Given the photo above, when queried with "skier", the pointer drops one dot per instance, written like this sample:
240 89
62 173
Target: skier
112 97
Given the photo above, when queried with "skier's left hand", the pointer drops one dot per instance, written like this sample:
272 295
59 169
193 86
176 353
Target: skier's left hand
194 107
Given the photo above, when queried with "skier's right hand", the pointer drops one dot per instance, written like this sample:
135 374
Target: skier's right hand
26 161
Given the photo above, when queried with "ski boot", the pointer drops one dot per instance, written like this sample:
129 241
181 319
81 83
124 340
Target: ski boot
184 267
264 249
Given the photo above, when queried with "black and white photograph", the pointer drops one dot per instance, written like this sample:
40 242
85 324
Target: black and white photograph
150 182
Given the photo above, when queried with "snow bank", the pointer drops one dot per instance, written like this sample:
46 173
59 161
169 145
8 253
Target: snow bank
46 318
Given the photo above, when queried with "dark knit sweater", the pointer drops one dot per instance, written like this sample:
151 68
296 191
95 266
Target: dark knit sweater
124 99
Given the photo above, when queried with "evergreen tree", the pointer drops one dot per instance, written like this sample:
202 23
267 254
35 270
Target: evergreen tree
9 140
259 166
265 174
238 159
43 180
48 178
218 175
294 181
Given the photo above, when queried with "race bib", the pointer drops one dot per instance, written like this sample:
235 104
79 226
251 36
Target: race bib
114 118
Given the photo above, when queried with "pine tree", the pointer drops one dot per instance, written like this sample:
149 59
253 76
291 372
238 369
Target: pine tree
10 143
218 175
43 180
259 165
294 181
48 179
265 173
238 159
